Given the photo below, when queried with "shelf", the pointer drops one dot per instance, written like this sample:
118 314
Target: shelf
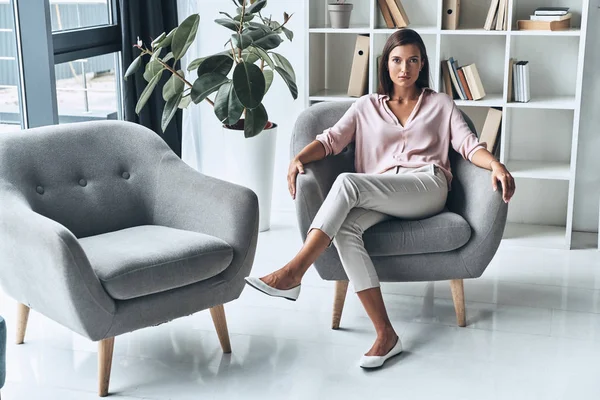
490 100
529 235
479 31
331 95
421 30
355 30
556 103
568 32
539 170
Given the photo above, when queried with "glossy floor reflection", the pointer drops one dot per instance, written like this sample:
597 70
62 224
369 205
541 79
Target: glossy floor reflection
533 333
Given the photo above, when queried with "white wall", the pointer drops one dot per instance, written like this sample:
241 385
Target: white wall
202 133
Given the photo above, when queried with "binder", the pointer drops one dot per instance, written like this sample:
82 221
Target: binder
385 11
451 14
357 85
491 129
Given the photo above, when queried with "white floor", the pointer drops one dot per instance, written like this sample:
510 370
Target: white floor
533 333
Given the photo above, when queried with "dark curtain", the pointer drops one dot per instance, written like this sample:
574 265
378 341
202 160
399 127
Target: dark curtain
147 19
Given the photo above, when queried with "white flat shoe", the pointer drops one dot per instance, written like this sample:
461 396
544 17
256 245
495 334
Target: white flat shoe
377 361
290 294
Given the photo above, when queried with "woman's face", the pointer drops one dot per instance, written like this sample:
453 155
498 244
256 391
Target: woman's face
404 65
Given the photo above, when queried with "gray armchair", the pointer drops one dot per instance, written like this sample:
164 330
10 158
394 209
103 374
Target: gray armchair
454 245
104 230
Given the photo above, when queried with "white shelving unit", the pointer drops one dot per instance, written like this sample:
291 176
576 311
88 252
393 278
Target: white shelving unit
538 138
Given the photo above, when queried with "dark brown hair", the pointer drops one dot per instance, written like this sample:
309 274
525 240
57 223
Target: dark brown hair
400 38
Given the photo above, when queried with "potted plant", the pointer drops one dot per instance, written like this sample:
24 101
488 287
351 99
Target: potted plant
339 14
239 77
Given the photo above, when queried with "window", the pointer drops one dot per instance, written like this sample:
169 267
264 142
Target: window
64 63
10 98
74 14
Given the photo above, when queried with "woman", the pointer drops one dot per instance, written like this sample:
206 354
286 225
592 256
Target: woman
402 135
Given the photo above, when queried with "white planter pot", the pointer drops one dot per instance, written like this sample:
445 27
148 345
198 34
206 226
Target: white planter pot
250 162
339 15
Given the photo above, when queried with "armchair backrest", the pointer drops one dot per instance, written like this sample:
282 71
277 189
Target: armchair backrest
91 177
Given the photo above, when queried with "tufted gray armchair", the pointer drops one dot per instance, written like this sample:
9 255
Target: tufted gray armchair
104 230
454 245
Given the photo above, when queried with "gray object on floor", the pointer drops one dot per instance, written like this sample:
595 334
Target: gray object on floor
104 230
454 245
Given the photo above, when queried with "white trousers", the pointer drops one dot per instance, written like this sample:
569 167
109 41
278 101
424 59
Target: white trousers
358 201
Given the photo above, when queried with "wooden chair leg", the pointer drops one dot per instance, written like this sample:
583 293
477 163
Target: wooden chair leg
218 316
22 317
458 296
341 287
105 354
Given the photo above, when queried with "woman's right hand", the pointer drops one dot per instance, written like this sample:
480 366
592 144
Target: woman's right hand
295 167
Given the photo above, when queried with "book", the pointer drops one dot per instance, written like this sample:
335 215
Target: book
465 85
447 80
454 78
385 11
490 15
460 89
500 19
525 24
516 81
357 85
551 10
491 129
526 91
511 64
474 81
550 17
398 15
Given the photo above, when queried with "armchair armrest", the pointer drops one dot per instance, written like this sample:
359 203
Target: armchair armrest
473 198
43 266
186 199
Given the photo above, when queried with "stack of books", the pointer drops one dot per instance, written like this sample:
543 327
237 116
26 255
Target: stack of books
547 18
497 16
518 85
393 13
462 82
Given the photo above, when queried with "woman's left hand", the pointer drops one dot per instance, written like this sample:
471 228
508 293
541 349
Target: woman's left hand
501 174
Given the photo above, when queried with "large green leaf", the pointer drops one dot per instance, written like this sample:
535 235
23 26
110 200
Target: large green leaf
289 81
167 40
220 64
269 41
289 34
247 17
195 64
185 102
133 67
159 39
255 121
241 41
168 57
259 26
256 7
170 110
173 87
229 24
184 36
250 56
147 92
152 68
228 108
268 79
205 85
263 55
249 84
283 62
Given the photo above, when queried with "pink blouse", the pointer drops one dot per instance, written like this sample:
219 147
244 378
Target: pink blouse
381 142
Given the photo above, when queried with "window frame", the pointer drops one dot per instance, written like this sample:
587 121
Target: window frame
37 58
